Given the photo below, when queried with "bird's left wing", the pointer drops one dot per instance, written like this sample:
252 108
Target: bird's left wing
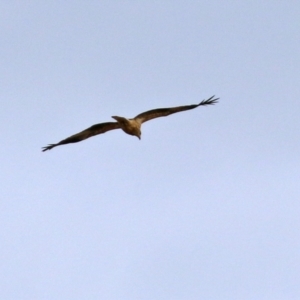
89 132
163 112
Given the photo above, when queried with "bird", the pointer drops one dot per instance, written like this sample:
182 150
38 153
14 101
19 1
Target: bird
129 126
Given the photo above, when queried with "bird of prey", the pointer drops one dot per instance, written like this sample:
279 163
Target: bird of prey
129 126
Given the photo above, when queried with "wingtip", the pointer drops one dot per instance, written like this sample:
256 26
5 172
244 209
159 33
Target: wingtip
49 147
210 101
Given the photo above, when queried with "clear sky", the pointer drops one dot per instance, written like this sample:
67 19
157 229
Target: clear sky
205 206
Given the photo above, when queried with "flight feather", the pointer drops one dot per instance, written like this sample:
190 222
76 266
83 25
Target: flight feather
163 112
85 134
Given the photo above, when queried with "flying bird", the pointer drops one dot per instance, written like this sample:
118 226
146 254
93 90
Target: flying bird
129 126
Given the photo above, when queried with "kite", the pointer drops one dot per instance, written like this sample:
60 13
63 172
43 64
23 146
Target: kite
129 126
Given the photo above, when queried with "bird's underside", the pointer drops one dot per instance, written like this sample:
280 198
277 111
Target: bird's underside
129 126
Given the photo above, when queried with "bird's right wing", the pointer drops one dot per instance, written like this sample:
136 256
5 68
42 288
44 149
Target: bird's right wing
89 132
163 112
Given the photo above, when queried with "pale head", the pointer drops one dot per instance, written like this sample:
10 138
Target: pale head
136 131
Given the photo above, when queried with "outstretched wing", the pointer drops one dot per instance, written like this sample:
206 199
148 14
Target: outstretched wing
163 112
91 131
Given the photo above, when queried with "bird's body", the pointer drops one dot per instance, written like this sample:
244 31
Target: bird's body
129 126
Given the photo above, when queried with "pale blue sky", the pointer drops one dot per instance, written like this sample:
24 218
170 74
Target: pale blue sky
205 206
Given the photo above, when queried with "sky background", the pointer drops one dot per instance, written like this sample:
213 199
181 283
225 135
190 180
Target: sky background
205 206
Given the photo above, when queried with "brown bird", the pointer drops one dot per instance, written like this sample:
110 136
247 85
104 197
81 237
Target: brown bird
129 126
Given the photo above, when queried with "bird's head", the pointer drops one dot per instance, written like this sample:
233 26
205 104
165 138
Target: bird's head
138 134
